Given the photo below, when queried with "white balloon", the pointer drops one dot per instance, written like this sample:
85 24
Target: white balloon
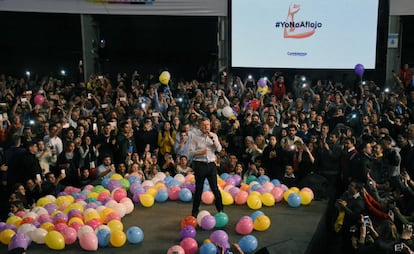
38 235
227 111
26 228
83 229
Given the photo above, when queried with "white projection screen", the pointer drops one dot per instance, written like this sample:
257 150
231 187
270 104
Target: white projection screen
305 34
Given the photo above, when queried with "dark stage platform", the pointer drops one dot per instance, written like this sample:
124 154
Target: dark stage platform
303 228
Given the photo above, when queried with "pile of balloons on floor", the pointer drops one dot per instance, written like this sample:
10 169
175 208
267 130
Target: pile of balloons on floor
91 217
95 212
255 193
219 238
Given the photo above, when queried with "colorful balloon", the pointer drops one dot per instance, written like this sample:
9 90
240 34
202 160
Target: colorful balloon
55 240
248 243
39 99
135 235
359 70
165 77
261 223
117 238
88 241
189 245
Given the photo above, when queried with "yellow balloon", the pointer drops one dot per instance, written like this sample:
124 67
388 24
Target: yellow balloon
93 195
116 176
6 236
146 200
306 197
164 77
294 189
226 197
75 219
268 199
91 216
105 212
15 220
286 194
256 193
48 226
254 202
115 225
152 191
54 240
117 239
74 206
43 201
261 223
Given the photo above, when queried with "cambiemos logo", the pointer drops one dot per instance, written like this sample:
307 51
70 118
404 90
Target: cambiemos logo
297 29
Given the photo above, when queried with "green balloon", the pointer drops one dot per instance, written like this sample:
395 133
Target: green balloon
221 219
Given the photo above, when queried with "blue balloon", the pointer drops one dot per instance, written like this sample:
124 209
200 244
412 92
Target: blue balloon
103 236
256 186
263 179
185 195
134 179
248 243
276 182
208 248
105 181
224 176
294 200
162 196
168 179
256 214
135 235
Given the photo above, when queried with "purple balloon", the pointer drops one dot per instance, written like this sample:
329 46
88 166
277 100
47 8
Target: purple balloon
233 191
262 82
188 231
237 179
359 70
50 208
19 240
113 184
208 222
2 225
219 237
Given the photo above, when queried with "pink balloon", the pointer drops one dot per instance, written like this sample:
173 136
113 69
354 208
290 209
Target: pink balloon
207 197
241 197
88 241
119 194
70 235
244 226
174 193
277 192
60 226
176 249
189 245
39 99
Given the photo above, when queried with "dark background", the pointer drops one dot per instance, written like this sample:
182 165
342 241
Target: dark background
47 43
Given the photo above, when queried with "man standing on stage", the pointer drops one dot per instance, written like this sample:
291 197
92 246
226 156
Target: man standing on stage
204 146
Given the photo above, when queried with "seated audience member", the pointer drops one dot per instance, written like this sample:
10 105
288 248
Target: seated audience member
107 168
289 178
52 185
85 178
16 206
183 167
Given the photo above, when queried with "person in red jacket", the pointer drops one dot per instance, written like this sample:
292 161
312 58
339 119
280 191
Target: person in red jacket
279 87
406 76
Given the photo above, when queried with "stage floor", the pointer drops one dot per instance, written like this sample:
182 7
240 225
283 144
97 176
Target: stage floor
161 226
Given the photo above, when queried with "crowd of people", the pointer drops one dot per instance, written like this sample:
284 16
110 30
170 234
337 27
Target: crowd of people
358 137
